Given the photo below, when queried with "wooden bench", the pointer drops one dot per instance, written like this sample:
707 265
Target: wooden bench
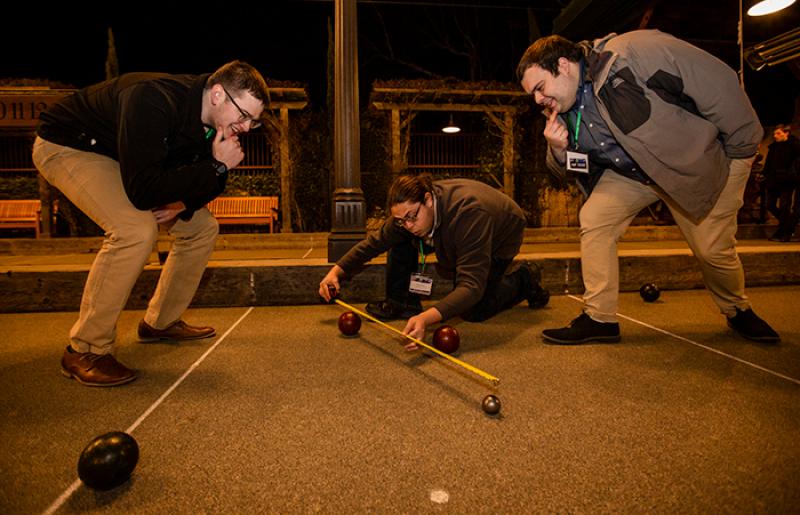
245 210
20 214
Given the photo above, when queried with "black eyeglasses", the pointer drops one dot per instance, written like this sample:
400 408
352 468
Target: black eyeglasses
245 116
410 218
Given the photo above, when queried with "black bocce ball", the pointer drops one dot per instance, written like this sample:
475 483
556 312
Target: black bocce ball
649 292
108 460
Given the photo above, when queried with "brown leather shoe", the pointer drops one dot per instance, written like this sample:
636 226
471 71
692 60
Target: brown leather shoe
95 369
179 330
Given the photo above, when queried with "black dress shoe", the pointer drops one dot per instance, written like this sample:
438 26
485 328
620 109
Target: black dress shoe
752 327
583 329
391 310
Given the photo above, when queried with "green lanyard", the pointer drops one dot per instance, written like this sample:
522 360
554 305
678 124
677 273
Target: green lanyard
422 257
579 100
577 128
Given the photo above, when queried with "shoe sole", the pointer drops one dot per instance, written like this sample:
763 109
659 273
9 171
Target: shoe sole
69 375
151 339
598 339
759 339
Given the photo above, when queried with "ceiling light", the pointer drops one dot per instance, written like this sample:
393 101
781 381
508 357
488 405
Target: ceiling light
451 128
768 7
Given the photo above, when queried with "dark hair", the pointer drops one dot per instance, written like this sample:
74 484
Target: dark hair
409 188
785 127
238 76
545 52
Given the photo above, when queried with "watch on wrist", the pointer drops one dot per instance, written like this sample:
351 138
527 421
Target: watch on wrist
220 167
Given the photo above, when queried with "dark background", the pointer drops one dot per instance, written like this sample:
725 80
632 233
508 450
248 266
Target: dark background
288 39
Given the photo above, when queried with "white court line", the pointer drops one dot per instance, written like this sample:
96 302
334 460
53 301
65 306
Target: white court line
712 349
74 486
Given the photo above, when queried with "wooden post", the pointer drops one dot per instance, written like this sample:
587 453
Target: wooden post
349 220
506 126
46 216
508 154
287 196
397 165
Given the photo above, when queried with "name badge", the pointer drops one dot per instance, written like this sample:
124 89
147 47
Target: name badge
577 162
421 284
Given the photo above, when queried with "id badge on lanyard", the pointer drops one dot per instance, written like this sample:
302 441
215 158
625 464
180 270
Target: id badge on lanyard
577 161
421 283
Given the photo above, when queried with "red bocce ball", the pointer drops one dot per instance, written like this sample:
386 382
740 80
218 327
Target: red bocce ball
446 339
349 323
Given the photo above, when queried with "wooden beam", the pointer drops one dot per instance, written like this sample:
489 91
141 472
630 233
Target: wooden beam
508 154
444 92
397 165
284 91
276 106
506 127
444 107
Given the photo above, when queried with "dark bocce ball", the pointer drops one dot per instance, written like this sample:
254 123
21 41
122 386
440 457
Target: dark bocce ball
649 292
446 339
491 405
108 460
349 323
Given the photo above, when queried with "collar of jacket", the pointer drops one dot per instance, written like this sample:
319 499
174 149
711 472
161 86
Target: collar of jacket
437 207
192 111
598 60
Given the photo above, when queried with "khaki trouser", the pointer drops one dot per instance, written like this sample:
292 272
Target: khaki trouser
94 184
614 203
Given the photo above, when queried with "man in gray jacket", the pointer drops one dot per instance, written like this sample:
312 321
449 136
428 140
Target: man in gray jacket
636 118
475 232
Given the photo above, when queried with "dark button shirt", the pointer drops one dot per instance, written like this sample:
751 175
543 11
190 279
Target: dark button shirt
595 138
